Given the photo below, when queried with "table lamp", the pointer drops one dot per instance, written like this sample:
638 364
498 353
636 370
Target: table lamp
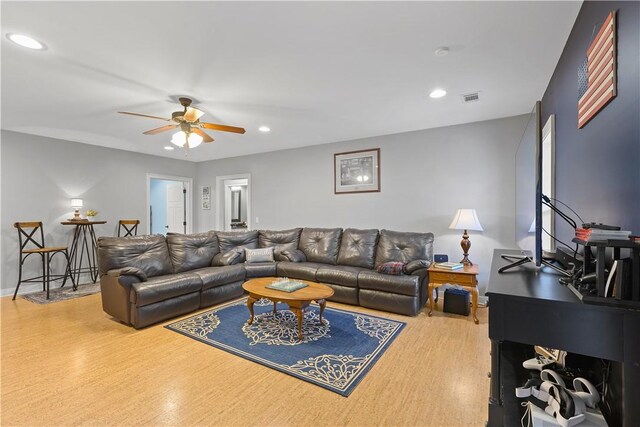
466 219
76 204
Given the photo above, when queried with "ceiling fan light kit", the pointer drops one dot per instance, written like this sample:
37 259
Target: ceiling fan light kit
190 134
181 139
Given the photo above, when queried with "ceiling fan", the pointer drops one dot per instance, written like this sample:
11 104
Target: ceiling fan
190 134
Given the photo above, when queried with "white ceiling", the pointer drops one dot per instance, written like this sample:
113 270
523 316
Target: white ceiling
315 72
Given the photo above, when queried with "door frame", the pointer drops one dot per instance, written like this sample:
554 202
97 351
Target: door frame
188 182
220 198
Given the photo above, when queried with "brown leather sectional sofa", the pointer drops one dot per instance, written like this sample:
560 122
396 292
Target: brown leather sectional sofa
148 279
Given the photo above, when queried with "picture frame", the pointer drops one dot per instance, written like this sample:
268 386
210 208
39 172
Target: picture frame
356 171
205 198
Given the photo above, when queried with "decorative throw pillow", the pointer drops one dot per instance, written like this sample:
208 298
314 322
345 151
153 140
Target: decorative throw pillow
259 255
416 265
295 255
234 256
392 268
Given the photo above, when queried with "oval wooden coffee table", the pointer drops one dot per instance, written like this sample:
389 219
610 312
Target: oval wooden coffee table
296 300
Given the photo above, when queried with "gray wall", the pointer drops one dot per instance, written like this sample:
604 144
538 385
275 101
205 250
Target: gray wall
41 175
425 176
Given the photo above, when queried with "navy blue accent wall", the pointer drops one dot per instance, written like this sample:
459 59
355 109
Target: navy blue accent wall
598 166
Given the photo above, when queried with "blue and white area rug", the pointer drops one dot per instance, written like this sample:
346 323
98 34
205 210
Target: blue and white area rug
335 356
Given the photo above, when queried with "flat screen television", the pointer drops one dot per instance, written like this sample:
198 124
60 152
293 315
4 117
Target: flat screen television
529 206
528 184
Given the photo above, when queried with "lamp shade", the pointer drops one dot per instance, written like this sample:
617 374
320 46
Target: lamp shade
76 203
466 219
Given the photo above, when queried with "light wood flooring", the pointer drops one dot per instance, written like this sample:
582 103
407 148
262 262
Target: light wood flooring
68 363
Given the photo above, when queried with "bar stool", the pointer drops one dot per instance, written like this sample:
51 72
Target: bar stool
28 233
130 227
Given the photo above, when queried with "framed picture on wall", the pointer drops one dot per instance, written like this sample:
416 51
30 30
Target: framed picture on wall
356 171
206 198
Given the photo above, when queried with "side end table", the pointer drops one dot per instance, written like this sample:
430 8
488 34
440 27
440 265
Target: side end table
465 277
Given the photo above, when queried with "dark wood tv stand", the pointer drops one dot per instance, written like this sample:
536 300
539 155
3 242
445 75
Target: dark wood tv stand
529 306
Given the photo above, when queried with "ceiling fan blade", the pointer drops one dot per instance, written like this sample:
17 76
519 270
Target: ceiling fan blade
205 137
223 128
192 114
144 115
160 129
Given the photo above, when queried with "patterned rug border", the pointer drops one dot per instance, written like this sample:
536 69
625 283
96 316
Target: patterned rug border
345 391
62 294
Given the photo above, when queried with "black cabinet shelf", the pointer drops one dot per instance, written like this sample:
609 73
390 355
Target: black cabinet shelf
529 306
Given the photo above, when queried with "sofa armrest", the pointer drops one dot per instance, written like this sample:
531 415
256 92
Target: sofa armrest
115 288
416 265
128 271
423 274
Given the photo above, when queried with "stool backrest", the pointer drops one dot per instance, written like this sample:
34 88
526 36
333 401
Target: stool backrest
130 227
28 233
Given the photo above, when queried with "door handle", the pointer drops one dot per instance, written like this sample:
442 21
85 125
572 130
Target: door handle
166 226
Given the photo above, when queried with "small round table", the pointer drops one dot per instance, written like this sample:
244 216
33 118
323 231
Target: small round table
296 300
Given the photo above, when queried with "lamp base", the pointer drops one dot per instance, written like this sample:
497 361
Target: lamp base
465 243
466 261
76 216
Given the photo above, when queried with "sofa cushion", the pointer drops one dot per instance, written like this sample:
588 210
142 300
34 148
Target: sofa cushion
320 244
230 257
279 240
358 248
191 251
339 275
231 239
261 269
148 253
291 255
218 276
405 285
298 270
160 288
258 255
404 247
392 268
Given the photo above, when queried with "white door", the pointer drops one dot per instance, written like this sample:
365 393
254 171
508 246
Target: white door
175 208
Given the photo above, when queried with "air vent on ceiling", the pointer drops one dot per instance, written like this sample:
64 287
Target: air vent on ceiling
471 97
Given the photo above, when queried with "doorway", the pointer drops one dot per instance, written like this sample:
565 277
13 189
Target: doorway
234 202
169 204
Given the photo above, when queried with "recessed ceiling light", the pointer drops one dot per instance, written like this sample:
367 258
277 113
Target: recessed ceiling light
168 148
441 51
25 41
264 129
438 93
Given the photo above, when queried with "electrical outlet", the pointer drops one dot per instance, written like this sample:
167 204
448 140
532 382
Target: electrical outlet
257 220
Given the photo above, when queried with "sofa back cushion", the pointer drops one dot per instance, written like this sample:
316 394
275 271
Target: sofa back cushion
148 253
234 240
280 240
403 247
320 244
358 248
191 251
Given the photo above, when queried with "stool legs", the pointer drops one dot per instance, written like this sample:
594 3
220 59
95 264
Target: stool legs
46 259
20 261
48 273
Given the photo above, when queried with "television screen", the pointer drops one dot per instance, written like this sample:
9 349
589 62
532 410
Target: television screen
528 189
